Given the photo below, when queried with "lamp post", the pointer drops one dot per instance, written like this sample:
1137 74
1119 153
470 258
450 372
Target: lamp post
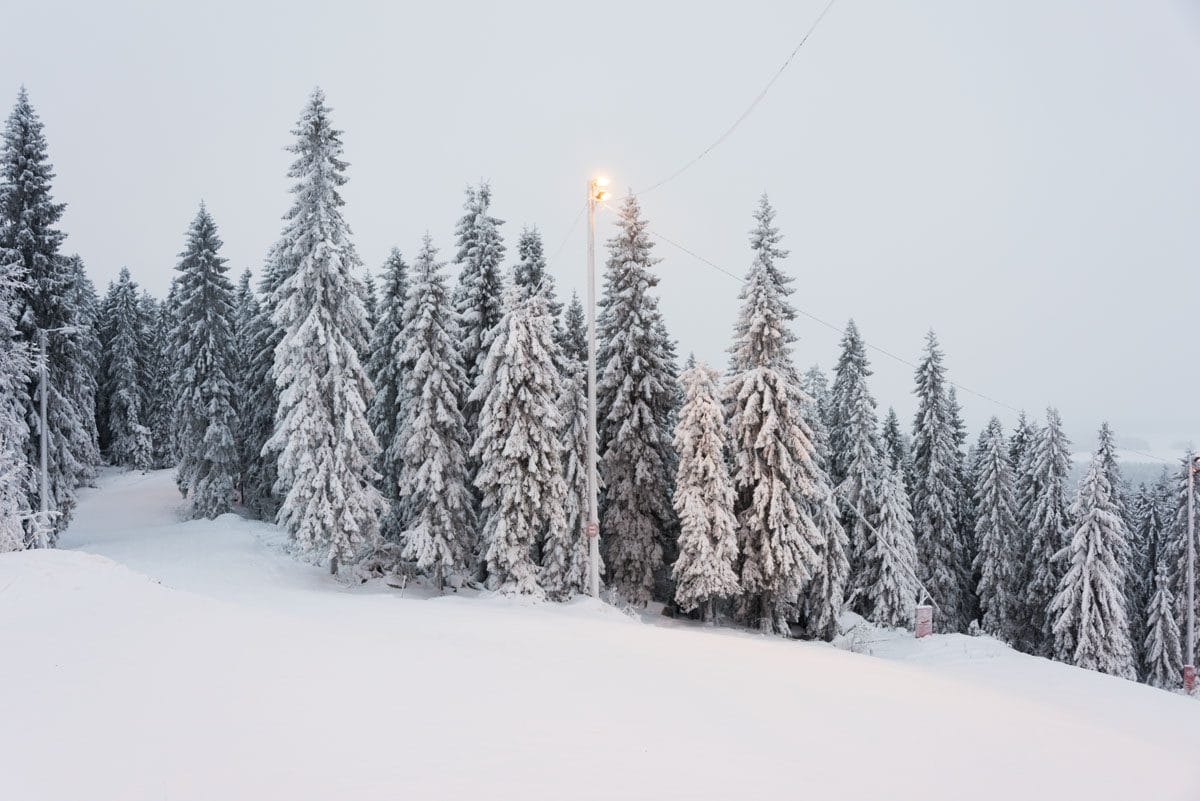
596 194
43 521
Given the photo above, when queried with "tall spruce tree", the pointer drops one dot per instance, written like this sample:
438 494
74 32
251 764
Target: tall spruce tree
260 394
936 507
158 375
565 559
775 472
1146 537
129 442
894 445
435 502
205 420
1091 629
387 375
30 238
998 560
15 366
327 452
478 298
530 276
706 568
370 303
1162 660
856 460
815 384
1050 522
1175 549
891 561
246 313
83 385
574 327
635 398
519 453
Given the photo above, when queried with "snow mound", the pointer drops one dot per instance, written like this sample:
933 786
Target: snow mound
245 674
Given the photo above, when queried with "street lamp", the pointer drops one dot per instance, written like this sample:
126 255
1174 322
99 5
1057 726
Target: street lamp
596 194
43 521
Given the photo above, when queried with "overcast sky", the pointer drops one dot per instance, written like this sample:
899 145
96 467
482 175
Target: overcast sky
1023 177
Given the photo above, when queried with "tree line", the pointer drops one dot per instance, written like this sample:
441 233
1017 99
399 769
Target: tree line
407 424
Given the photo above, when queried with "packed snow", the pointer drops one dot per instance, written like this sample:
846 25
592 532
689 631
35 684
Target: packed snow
153 658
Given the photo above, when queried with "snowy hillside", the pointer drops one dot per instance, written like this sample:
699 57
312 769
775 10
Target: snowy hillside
155 659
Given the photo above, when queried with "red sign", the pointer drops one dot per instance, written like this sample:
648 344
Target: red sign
1189 677
591 530
924 620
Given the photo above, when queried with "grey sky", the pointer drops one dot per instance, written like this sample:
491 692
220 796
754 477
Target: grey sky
1021 176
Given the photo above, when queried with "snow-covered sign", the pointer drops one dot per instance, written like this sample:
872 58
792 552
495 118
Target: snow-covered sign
924 620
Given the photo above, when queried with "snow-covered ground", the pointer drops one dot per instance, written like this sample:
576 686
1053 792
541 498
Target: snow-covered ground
154 659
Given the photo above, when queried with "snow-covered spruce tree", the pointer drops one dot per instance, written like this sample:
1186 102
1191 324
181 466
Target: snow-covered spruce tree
966 506
370 302
574 333
327 453
1144 541
246 311
565 559
892 558
519 453
478 297
1175 550
774 459
158 375
856 458
1108 449
205 422
822 599
895 448
530 276
936 507
997 561
1023 436
1049 520
258 394
15 366
387 376
84 387
1025 491
706 568
635 398
30 239
1162 660
431 444
1091 629
815 384
129 442
103 329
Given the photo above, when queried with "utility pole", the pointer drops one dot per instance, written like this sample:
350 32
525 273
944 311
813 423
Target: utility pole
44 519
596 194
1189 667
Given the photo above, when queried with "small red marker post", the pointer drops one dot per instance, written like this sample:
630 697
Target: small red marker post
591 530
1189 677
923 620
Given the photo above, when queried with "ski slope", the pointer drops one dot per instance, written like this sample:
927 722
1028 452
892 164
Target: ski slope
156 659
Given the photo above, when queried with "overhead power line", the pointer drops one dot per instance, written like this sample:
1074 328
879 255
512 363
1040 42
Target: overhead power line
749 109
